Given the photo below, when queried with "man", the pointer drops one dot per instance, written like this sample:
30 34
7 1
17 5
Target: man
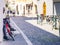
4 29
5 9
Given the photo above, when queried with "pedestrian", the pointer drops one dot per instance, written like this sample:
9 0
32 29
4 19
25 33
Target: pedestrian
4 29
4 22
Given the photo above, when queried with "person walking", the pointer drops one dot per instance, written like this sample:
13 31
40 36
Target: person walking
5 9
4 29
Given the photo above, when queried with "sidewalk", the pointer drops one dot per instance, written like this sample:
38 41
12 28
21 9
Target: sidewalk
19 39
44 26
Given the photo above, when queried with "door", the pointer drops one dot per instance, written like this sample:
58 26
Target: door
36 9
57 8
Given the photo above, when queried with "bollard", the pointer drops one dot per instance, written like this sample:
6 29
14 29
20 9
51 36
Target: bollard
42 18
37 19
54 19
55 22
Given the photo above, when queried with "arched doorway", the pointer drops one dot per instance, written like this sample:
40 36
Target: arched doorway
17 9
35 9
44 9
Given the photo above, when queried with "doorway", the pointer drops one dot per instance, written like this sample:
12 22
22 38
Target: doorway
56 7
35 9
44 9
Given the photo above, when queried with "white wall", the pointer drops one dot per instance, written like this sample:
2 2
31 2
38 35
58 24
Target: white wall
49 7
1 19
39 7
20 8
49 4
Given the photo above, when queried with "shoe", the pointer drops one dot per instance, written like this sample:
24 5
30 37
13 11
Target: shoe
5 38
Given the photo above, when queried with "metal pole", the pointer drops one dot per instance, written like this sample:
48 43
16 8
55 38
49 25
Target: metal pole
37 19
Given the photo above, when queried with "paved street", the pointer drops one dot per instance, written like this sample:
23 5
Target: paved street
36 35
19 40
33 34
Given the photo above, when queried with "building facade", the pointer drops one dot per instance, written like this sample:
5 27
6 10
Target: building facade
23 7
48 7
26 7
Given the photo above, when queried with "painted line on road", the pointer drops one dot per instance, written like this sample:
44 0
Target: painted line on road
24 36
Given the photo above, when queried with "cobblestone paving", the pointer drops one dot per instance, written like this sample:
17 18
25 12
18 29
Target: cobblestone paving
36 35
